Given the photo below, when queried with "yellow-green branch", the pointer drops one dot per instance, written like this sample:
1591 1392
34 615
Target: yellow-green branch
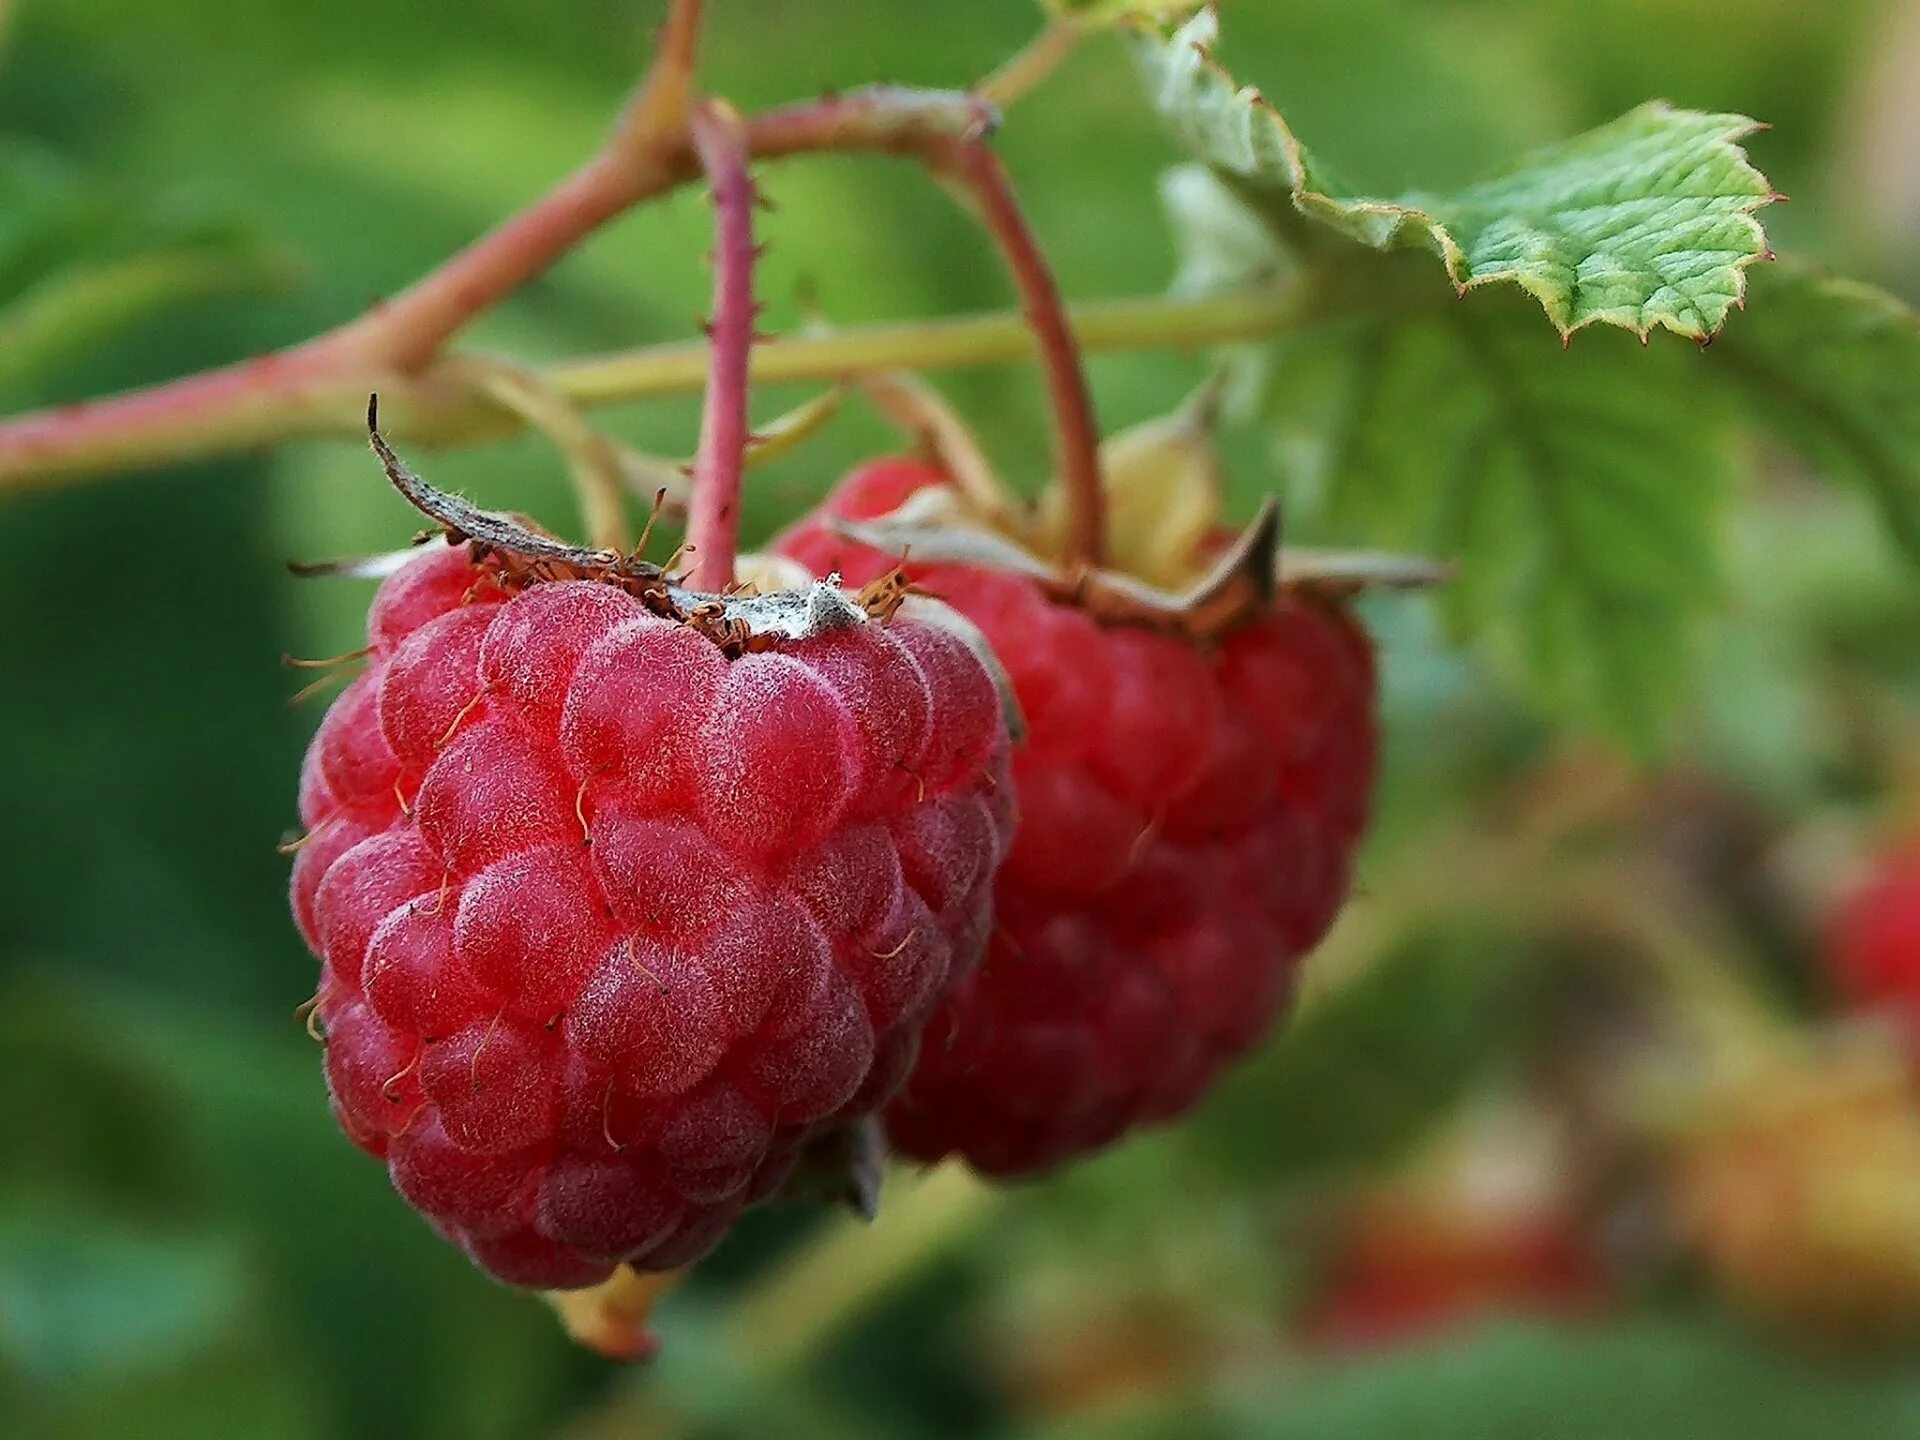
249 406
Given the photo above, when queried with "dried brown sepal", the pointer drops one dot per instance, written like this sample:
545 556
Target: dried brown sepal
1239 586
525 553
931 528
1342 574
739 622
918 529
357 567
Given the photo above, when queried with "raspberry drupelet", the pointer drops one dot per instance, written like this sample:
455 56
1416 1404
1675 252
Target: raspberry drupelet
1189 813
614 919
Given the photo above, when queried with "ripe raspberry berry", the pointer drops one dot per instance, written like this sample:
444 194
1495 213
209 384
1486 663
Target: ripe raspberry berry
1189 813
614 919
1873 941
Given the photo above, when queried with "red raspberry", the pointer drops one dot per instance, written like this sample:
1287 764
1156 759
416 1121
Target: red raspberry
612 924
1873 941
1188 821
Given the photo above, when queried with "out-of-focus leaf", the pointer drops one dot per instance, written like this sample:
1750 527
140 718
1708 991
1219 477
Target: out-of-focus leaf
109 1328
1647 222
79 263
82 1302
1655 1379
1362 1072
1833 367
327 1238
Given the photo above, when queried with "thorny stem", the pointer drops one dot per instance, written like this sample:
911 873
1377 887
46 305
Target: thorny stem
315 388
713 522
1076 431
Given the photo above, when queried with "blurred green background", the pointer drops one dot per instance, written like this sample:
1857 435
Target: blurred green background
187 1247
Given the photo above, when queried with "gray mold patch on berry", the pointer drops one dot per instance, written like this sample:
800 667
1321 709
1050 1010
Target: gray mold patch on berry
818 609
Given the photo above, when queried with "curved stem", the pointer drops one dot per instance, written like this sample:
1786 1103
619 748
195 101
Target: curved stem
645 154
1027 68
1076 431
713 523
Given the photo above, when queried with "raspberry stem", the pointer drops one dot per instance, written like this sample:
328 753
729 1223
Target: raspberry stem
318 387
1076 431
713 522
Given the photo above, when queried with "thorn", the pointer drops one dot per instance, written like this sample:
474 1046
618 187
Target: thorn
653 518
1566 340
1769 254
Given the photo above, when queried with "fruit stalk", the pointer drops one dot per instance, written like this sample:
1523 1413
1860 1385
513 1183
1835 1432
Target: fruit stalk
713 523
1076 430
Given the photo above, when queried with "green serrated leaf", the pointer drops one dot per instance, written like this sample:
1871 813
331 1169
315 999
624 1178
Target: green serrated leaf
1833 367
1578 490
1647 222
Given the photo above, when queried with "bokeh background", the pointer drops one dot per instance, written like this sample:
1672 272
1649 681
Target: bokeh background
1571 1138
